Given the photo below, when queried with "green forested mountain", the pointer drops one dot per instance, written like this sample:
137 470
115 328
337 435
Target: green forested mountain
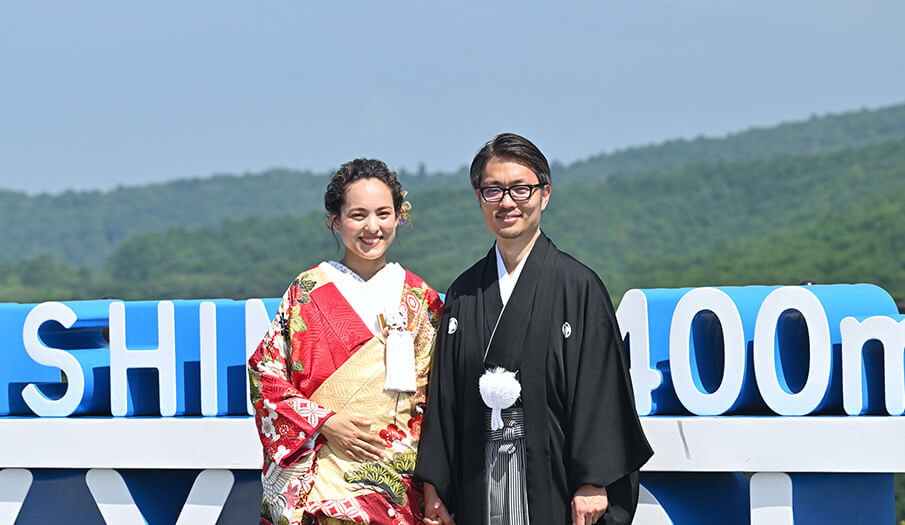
708 208
83 228
815 135
865 244
828 217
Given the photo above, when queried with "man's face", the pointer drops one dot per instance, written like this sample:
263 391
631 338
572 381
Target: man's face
510 219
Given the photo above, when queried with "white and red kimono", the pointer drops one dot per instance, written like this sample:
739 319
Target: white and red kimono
325 353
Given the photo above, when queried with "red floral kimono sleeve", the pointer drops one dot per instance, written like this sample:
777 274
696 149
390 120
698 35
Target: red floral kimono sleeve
287 420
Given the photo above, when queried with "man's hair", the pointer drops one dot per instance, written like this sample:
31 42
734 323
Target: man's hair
513 148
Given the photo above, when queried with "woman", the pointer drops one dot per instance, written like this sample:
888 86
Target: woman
338 383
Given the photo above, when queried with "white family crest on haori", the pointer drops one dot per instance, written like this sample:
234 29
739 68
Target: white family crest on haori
566 329
453 325
499 389
400 353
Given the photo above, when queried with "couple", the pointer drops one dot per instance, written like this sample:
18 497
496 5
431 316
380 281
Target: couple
528 416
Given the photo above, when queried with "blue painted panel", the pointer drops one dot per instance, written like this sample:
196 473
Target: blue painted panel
705 498
851 499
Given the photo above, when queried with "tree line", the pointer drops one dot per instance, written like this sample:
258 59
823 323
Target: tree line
84 228
829 217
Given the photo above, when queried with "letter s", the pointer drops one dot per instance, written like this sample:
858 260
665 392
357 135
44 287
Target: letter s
41 354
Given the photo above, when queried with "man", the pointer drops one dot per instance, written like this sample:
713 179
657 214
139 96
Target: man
569 450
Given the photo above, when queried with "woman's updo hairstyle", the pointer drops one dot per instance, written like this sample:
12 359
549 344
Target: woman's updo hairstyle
335 196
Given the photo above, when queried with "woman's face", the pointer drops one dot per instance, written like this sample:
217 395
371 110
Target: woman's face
367 222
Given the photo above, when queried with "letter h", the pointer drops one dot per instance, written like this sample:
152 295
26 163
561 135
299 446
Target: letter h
162 358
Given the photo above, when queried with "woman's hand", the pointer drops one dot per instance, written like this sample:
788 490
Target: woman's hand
351 436
435 512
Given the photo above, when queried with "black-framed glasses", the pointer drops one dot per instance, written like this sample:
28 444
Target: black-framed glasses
518 193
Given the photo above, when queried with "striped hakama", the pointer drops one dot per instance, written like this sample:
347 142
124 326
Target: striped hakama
505 468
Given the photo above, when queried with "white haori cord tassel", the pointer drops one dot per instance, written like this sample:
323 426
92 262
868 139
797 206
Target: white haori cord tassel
499 389
400 354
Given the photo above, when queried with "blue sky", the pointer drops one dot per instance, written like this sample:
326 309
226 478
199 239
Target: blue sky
95 94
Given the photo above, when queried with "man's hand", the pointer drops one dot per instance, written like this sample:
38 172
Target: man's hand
589 504
435 512
350 436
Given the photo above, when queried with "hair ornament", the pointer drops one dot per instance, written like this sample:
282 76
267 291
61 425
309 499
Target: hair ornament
404 209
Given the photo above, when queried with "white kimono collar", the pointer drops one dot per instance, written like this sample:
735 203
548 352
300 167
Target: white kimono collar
508 281
369 298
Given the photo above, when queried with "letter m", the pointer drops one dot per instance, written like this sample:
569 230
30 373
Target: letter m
860 338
